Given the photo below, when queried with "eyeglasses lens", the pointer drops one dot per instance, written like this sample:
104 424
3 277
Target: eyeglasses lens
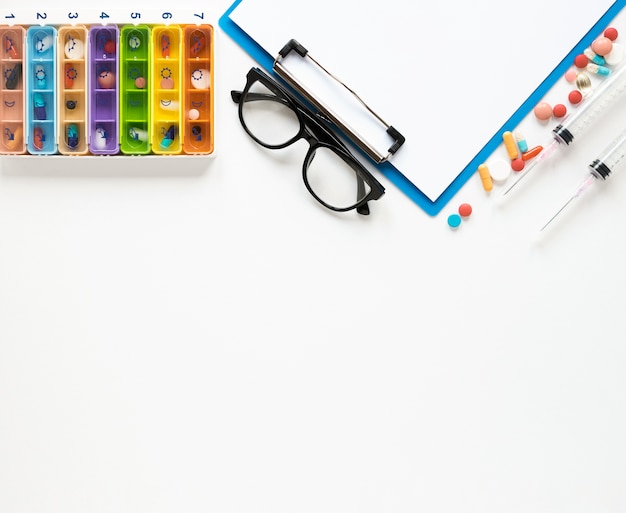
268 117
334 180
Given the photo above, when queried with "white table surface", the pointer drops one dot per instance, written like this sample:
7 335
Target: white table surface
205 337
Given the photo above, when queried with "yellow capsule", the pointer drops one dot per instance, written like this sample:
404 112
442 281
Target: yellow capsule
485 177
510 144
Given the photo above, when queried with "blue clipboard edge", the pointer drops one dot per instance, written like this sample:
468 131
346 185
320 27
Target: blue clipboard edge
429 206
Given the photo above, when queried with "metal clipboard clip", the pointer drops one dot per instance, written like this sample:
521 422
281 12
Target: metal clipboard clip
370 149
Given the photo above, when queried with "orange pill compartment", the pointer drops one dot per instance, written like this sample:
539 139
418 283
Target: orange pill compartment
12 84
198 89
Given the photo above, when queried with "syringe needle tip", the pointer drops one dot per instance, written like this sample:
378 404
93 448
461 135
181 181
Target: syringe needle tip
557 213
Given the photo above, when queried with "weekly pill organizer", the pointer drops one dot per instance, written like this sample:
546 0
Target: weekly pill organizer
113 87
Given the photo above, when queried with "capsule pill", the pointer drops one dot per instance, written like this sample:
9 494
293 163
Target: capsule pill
533 152
521 141
510 145
485 177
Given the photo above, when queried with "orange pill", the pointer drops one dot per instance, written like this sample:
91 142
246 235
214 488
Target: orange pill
533 152
485 177
510 144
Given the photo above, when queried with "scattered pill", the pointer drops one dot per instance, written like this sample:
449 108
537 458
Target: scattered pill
140 82
465 209
559 110
521 141
543 111
615 56
570 75
517 164
533 152
581 61
500 170
510 145
598 70
575 97
454 220
583 82
611 33
485 177
594 57
602 46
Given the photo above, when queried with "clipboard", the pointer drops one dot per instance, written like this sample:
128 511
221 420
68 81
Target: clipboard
450 77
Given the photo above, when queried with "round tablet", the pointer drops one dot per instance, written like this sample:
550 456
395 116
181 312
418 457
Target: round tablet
465 209
611 33
454 220
499 170
615 56
559 110
543 111
581 61
140 82
570 75
575 97
602 46
517 164
193 114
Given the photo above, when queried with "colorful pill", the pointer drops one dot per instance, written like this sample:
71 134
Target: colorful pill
454 220
583 82
581 61
165 45
570 75
602 46
521 141
594 57
485 177
533 152
38 138
575 97
72 135
559 110
510 145
611 33
9 47
517 164
465 209
598 70
13 76
543 111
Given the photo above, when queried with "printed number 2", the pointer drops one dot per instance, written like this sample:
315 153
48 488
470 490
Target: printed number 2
42 15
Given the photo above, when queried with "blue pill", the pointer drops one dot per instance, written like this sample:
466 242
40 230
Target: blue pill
454 220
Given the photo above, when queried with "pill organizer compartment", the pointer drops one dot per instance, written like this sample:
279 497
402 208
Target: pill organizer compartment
135 87
12 137
167 89
41 126
198 84
72 108
103 90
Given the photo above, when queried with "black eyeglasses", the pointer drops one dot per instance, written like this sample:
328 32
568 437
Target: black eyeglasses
274 118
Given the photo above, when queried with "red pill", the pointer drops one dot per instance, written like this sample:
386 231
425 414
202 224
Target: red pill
517 164
559 110
581 61
575 97
465 209
611 33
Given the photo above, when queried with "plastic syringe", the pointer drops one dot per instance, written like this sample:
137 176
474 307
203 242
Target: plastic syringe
574 126
609 161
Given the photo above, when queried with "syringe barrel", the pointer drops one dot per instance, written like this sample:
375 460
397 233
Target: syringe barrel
593 107
613 157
